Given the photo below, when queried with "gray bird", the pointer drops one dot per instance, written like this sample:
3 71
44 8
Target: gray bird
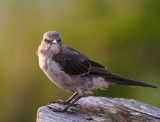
73 71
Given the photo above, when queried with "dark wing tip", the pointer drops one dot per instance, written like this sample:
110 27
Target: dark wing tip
153 86
148 85
130 82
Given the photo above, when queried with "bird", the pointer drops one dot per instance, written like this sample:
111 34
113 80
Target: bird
74 72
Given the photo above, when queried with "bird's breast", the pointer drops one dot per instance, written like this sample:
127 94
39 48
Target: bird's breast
42 61
52 70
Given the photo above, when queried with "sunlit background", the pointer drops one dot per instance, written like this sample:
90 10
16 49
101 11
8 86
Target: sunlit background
120 34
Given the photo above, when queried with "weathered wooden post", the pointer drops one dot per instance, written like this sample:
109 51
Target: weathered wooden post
101 109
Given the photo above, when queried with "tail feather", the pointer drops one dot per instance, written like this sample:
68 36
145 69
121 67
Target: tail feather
130 82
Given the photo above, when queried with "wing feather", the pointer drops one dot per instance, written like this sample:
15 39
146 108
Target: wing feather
74 63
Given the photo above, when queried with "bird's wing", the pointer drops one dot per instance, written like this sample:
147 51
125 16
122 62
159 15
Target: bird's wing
75 63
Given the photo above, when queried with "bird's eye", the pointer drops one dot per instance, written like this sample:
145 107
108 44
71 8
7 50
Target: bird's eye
45 40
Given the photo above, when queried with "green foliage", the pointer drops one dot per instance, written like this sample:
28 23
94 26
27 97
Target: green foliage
122 35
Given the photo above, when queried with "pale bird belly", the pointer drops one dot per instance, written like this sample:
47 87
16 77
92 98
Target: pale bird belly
78 84
58 77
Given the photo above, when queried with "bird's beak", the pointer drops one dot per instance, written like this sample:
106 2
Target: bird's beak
54 42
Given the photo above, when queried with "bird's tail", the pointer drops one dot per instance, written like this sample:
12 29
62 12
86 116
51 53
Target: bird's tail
128 82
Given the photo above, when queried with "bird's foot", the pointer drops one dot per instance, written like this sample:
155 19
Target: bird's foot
55 110
61 102
60 110
76 105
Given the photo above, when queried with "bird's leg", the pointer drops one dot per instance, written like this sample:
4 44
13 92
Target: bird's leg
71 98
70 104
67 101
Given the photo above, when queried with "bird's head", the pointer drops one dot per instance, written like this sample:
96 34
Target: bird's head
51 41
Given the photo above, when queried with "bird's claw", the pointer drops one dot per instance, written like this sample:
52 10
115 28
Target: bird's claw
56 110
61 102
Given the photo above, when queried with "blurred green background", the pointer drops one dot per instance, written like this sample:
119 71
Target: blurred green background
122 35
